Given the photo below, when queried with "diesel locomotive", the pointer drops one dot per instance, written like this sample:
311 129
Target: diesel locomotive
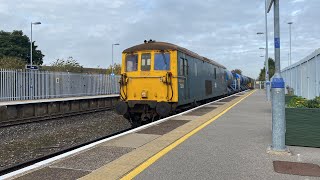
157 78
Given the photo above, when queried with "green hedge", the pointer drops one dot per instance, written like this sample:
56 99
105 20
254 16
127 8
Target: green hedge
300 102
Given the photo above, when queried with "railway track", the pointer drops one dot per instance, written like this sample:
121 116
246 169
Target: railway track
25 166
21 121
31 162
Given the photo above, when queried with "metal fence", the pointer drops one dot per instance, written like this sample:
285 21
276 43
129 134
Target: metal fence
303 77
30 84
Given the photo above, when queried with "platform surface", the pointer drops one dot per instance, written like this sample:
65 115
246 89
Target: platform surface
8 103
232 147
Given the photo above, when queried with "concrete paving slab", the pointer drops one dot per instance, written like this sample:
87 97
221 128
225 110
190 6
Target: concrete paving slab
54 174
133 140
163 128
93 158
185 118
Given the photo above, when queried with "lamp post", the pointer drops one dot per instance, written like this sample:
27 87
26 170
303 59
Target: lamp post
267 55
116 44
112 66
35 23
278 94
266 61
290 61
290 23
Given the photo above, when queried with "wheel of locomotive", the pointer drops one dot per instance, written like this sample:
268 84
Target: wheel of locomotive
163 109
121 108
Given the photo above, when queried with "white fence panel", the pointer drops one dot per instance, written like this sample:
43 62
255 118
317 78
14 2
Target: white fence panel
26 84
304 76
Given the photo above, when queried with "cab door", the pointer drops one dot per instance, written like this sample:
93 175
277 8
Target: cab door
184 89
187 79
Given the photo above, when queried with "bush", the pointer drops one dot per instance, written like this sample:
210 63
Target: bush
11 63
299 102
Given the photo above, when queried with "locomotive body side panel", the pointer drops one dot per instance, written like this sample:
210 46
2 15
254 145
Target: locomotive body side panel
199 80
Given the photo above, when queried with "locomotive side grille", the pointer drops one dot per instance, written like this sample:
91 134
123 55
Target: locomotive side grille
208 87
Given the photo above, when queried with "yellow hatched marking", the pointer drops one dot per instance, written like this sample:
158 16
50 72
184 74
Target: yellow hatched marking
164 151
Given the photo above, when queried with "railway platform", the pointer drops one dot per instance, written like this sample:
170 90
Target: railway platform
227 139
23 110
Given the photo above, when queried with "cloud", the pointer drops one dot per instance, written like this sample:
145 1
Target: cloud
297 1
221 30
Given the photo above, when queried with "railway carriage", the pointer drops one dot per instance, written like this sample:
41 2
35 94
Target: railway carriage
159 77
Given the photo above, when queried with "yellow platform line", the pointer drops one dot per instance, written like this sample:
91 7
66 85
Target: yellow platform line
164 151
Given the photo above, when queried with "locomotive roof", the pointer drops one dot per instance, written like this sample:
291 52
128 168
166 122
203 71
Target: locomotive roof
152 45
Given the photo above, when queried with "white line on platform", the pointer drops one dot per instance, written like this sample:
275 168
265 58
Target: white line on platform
50 160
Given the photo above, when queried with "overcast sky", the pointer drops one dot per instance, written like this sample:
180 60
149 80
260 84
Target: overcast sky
221 30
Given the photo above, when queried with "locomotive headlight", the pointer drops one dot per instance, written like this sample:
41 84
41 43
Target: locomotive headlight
144 94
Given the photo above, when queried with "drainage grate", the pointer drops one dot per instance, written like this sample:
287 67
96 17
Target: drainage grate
296 168
163 128
201 111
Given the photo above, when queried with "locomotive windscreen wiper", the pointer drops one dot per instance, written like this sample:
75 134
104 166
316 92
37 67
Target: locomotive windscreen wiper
164 59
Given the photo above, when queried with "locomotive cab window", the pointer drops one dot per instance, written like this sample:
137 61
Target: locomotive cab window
185 67
131 62
181 66
146 62
183 71
162 61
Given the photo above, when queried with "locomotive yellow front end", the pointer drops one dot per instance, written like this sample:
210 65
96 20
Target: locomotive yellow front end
148 82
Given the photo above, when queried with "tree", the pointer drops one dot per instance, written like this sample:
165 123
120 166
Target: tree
11 63
116 69
262 75
69 65
15 44
238 71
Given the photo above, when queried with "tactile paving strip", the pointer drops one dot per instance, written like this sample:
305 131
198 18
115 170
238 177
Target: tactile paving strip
217 103
201 111
228 99
93 158
163 128
54 173
296 168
